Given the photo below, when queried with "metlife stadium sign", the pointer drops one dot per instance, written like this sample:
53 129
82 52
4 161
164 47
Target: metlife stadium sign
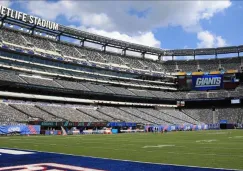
4 11
207 82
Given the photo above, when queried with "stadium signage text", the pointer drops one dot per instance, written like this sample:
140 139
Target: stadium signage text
4 11
207 82
65 124
202 82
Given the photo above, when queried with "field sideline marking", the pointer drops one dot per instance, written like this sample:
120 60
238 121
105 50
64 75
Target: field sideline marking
134 161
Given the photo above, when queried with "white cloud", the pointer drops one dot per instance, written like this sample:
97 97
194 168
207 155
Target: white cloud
206 39
216 6
5 3
77 11
114 16
140 38
209 40
220 41
112 19
147 39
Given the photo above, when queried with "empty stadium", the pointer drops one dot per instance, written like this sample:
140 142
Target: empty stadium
52 84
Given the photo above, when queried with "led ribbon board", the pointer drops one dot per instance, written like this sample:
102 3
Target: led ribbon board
207 82
4 11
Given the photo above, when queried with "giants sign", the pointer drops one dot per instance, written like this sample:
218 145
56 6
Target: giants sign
207 82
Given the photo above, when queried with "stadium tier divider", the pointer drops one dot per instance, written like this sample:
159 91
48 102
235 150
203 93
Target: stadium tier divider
89 114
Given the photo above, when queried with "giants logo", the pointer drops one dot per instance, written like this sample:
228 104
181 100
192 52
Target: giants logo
204 82
14 129
46 167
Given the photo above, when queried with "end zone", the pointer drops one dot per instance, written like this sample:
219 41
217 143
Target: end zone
46 166
29 160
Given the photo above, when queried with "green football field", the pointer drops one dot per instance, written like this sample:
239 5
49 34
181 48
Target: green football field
217 149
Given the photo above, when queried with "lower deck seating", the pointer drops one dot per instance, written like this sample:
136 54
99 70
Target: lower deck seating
32 111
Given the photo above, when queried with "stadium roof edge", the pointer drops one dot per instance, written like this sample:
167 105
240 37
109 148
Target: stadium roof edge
91 37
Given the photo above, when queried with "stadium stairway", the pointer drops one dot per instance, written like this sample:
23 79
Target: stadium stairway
50 113
154 116
108 115
137 116
189 116
23 112
84 112
175 117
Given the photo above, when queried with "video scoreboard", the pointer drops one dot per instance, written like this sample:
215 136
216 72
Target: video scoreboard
207 82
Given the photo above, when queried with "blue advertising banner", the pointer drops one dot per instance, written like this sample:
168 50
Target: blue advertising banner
114 131
121 124
207 82
223 121
214 126
21 129
48 132
159 128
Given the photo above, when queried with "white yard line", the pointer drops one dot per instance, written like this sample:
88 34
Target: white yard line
158 146
206 141
14 152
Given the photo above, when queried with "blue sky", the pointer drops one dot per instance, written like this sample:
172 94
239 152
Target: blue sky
164 24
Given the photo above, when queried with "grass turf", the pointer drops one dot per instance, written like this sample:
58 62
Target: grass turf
217 149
